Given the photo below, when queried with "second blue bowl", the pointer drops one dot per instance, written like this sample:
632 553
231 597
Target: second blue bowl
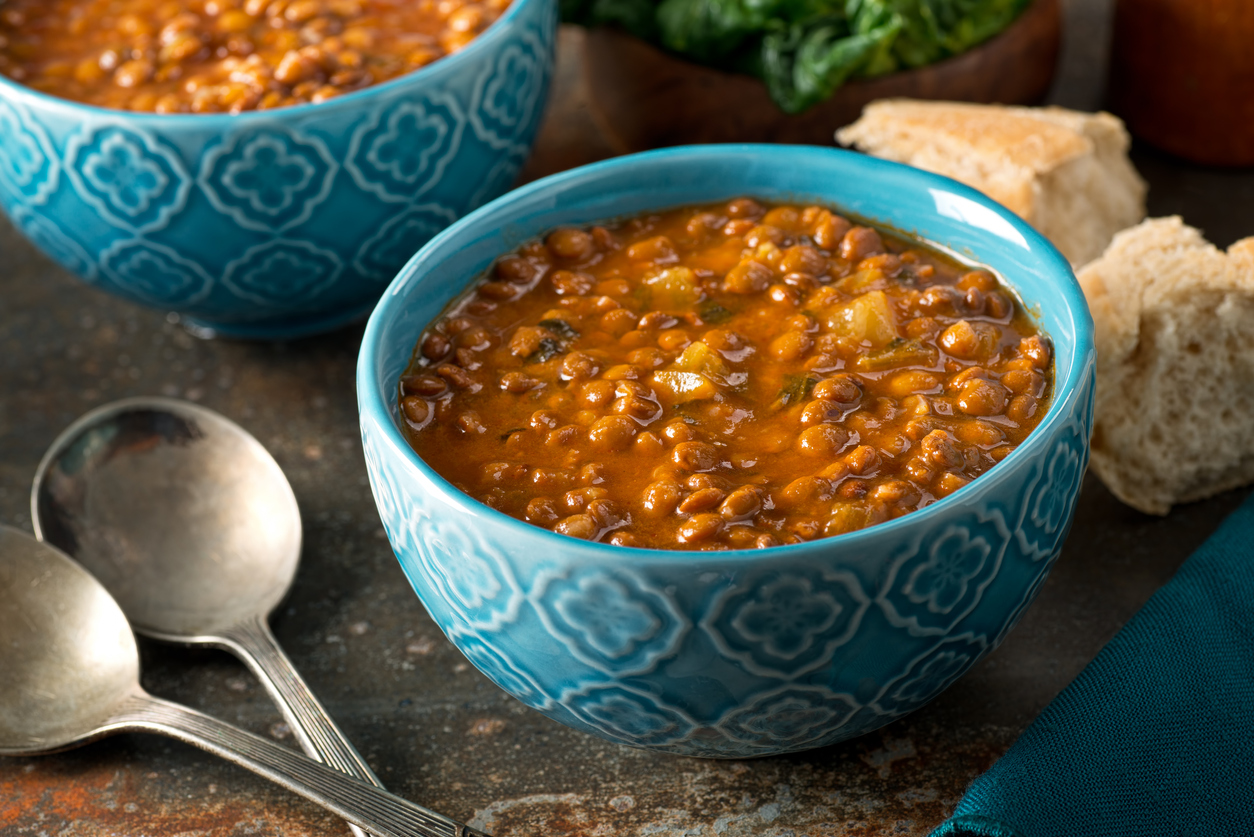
284 222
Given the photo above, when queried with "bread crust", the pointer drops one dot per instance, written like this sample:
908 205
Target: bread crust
1174 330
1065 172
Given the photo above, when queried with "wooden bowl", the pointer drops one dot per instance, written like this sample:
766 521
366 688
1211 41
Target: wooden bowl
645 98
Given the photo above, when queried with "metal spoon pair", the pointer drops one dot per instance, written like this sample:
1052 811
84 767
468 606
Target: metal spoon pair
191 526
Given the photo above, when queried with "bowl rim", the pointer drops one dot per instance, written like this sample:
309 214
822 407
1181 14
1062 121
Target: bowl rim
218 122
373 404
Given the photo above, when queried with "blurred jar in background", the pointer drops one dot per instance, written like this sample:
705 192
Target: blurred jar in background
1182 77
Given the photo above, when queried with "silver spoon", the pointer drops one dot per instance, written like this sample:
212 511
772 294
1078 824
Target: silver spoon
71 675
190 524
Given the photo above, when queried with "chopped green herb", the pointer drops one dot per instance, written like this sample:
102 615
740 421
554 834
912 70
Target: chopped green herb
714 313
796 388
899 352
561 328
684 409
548 348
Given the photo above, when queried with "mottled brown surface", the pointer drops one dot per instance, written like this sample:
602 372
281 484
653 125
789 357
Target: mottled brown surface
434 729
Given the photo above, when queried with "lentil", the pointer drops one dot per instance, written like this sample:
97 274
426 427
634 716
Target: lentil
654 393
227 56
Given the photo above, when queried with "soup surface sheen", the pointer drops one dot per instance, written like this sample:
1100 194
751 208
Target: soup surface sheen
729 376
211 56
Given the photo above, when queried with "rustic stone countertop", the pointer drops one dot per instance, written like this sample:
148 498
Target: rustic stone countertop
434 729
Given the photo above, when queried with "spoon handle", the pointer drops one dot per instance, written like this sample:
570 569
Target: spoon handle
358 802
318 735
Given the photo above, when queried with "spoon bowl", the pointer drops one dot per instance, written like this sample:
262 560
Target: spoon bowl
69 657
190 524
179 512
71 675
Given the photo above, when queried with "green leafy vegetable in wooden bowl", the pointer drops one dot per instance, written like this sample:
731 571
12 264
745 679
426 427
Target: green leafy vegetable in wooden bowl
805 49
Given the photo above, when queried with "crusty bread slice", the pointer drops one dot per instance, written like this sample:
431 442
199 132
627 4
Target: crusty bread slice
1174 323
1066 173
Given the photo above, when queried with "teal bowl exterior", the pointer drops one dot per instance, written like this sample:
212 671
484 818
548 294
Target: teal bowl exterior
276 223
742 653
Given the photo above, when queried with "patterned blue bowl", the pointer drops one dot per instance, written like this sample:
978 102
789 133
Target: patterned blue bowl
743 653
276 223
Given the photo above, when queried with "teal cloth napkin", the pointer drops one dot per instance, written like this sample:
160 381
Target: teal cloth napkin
1155 738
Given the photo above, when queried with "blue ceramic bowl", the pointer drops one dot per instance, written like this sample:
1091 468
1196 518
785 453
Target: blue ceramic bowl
284 222
742 653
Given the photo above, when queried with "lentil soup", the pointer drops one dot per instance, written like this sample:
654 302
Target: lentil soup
213 56
736 375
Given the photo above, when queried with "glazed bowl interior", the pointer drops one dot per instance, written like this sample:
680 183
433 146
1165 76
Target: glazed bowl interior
744 652
947 214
